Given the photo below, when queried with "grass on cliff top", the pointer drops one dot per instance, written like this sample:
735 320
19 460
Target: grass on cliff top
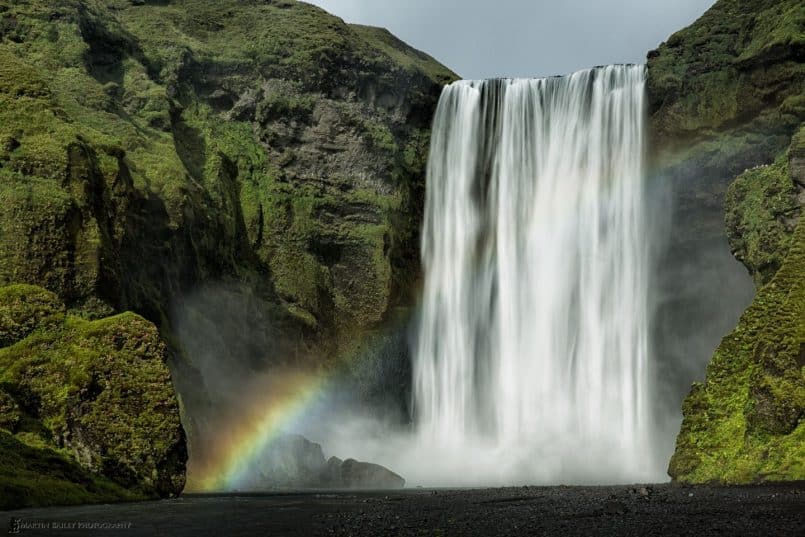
403 54
779 27
284 39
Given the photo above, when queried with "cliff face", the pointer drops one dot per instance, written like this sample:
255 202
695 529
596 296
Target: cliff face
745 422
150 146
726 93
726 99
89 403
220 168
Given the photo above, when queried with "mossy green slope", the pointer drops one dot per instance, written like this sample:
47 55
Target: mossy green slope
40 476
746 423
150 146
726 98
92 397
152 149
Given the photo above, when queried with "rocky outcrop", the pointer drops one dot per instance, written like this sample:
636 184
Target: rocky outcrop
263 160
161 149
365 475
745 423
763 206
725 95
96 393
726 99
294 462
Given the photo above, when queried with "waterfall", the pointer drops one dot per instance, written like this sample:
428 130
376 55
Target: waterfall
533 344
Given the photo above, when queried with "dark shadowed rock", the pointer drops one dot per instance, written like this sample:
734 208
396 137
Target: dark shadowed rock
364 475
331 476
294 462
289 462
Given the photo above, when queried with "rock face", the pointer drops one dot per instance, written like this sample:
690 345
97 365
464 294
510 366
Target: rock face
150 147
364 475
726 99
203 162
294 462
289 462
97 392
745 422
725 95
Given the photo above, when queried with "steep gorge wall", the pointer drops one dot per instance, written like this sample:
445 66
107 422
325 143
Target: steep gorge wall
231 169
726 95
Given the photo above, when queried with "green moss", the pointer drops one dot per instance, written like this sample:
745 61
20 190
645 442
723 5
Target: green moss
778 28
731 77
34 477
101 390
380 138
761 209
26 308
285 105
10 413
745 423
797 149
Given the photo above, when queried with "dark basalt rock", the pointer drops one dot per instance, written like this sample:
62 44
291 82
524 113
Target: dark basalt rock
294 462
364 475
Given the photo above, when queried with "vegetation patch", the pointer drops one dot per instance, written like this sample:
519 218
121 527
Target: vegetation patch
746 422
761 211
98 394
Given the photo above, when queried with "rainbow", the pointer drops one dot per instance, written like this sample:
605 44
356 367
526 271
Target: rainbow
272 405
281 402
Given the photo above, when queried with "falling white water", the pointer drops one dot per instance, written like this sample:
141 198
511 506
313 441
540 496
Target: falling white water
532 358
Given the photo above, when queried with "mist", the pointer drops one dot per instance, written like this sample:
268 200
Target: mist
247 377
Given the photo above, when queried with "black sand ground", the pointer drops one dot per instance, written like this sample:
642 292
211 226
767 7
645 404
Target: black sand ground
563 511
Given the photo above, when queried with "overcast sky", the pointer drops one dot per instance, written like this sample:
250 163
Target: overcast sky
525 38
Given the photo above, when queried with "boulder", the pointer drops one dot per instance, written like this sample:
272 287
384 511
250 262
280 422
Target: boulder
99 390
294 462
365 475
289 462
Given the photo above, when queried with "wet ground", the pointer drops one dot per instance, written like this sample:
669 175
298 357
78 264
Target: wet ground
562 511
